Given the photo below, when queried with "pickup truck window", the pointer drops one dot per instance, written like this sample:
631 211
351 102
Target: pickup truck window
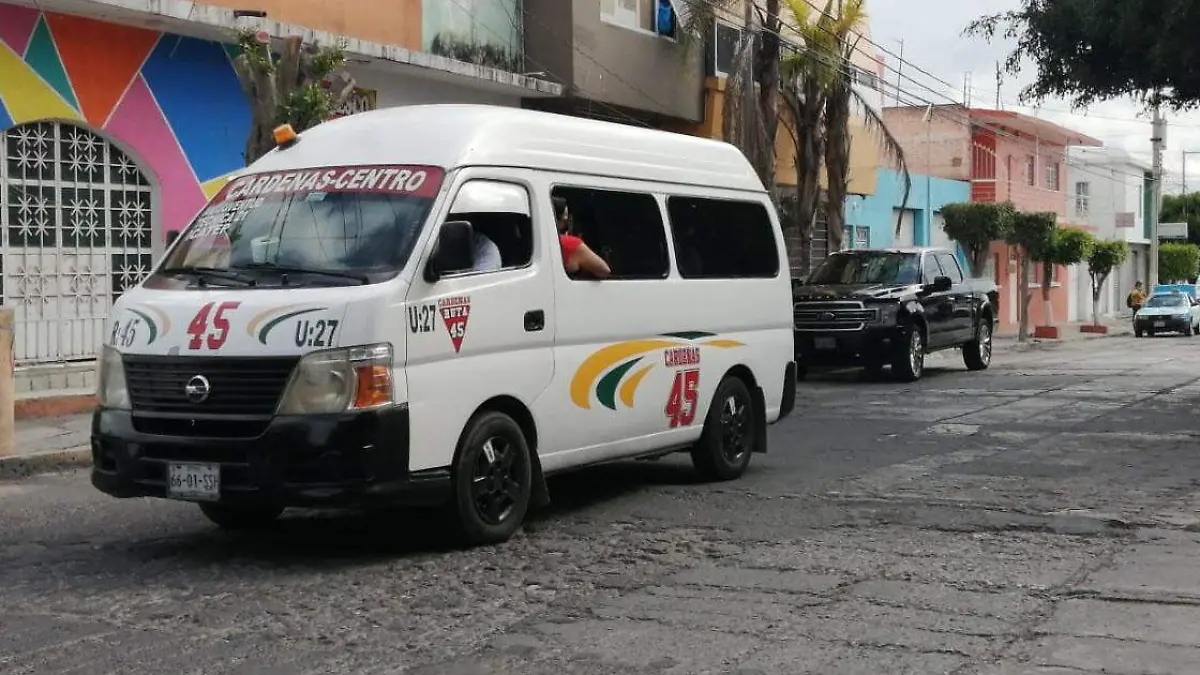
868 267
950 267
930 269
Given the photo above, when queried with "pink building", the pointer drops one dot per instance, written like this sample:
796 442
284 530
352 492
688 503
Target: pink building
1006 156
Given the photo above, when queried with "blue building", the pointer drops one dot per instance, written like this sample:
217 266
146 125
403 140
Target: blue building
871 220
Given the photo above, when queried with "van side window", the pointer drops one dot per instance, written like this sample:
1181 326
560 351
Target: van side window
950 267
499 212
623 228
722 238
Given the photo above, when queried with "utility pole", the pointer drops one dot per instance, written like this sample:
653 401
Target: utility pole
899 69
1158 136
999 82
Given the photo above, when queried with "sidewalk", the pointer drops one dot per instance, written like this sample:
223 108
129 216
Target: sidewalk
48 444
1069 332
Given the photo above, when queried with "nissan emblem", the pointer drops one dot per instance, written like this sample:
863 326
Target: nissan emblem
197 389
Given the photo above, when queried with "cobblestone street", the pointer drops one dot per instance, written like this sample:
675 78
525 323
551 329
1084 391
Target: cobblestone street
1039 517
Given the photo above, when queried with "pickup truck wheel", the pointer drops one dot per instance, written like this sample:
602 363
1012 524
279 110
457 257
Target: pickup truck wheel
977 354
908 363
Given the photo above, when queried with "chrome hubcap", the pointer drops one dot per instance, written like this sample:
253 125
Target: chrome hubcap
985 343
916 354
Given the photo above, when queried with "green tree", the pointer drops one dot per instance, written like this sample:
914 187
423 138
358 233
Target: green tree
1033 235
1104 257
1094 50
1067 246
975 225
1183 209
1178 262
300 86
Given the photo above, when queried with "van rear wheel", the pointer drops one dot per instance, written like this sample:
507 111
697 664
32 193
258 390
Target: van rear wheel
729 436
492 479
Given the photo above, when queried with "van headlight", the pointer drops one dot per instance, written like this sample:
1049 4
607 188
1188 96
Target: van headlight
111 391
337 380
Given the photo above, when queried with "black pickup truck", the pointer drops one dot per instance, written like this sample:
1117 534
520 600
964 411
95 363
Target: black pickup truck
873 308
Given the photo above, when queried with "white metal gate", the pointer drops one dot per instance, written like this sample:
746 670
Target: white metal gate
75 223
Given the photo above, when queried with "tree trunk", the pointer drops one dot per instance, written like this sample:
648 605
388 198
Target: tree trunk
807 113
1097 283
837 162
1024 296
1047 306
768 88
977 260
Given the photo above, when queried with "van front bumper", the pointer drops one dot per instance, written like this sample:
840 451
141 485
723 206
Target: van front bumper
358 459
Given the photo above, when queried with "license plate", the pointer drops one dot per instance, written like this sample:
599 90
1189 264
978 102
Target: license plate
1160 324
825 343
194 482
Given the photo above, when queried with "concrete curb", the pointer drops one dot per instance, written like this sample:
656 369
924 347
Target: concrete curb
23 466
1010 343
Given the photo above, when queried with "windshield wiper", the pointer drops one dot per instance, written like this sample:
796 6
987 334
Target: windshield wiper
203 273
284 270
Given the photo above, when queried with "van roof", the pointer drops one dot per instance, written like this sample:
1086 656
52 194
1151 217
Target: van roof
453 136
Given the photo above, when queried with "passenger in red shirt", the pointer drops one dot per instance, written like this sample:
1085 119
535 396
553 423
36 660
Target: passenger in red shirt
577 257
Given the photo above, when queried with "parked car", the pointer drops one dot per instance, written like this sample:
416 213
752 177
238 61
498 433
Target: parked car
1172 312
876 308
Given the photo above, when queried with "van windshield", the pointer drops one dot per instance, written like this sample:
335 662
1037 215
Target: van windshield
324 226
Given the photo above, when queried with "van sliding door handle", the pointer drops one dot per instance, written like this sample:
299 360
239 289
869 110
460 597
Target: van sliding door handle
535 320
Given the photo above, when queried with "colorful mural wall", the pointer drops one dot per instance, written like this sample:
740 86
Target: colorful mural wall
172 102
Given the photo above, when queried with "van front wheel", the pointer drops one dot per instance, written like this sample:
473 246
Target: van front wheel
492 479
724 449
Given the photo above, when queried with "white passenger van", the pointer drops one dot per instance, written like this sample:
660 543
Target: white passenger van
321 334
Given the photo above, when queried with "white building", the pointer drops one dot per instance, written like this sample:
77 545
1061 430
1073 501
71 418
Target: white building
1106 195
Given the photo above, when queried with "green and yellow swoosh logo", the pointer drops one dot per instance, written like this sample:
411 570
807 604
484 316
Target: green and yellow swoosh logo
613 371
261 324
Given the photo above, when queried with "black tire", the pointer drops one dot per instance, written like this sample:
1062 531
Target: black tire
1188 332
730 433
1149 332
1137 332
493 480
977 354
235 517
908 362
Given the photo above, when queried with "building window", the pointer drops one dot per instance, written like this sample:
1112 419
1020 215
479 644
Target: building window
651 16
866 78
862 237
76 214
1082 192
722 239
624 228
1052 176
1030 170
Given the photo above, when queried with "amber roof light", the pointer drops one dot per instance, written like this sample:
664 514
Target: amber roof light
285 135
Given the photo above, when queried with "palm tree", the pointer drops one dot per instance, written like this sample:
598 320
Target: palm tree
750 110
841 99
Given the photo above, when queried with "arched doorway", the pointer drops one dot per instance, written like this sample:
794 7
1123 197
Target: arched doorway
75 231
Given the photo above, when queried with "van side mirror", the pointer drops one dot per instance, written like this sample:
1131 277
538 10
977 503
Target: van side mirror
939 285
453 251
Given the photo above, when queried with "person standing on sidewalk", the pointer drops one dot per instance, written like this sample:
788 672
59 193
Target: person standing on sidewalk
1136 298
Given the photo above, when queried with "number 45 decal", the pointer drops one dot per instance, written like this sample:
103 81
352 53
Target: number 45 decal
198 328
681 404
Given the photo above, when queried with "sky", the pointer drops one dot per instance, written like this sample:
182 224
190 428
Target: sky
931 31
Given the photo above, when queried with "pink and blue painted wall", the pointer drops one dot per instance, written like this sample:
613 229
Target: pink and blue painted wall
171 102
